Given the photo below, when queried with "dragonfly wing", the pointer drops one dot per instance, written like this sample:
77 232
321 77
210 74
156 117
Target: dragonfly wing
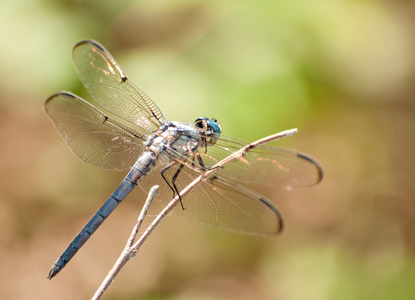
264 165
218 203
112 90
94 137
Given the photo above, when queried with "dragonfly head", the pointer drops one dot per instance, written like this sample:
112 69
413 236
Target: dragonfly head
209 129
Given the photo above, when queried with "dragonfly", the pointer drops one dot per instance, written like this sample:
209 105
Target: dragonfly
122 129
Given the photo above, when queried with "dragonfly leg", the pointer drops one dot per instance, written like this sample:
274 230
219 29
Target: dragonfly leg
165 179
173 186
173 181
202 165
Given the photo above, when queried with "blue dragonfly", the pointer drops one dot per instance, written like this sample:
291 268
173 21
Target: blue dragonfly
121 129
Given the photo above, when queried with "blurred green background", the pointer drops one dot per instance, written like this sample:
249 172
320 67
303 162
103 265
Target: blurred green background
340 71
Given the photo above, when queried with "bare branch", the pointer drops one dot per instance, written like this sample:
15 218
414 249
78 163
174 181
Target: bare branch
128 251
234 156
131 251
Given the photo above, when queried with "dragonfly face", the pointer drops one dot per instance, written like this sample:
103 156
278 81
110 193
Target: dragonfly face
210 130
121 128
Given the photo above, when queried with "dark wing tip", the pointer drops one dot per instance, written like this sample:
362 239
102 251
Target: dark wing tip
62 93
92 42
315 163
104 51
280 226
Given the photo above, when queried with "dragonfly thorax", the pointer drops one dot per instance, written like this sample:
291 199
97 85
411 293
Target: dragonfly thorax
182 138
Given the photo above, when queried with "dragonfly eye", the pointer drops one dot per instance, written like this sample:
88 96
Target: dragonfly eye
209 129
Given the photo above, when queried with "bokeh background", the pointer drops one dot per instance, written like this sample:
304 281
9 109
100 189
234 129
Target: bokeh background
340 71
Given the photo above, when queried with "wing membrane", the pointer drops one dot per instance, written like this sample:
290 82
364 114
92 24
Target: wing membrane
112 90
94 137
264 165
218 203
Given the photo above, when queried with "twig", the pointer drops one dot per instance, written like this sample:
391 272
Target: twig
234 156
129 251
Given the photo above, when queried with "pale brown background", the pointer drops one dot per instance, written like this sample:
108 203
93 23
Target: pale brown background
342 72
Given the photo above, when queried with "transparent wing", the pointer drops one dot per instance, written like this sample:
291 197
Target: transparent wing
94 137
112 90
217 203
264 165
